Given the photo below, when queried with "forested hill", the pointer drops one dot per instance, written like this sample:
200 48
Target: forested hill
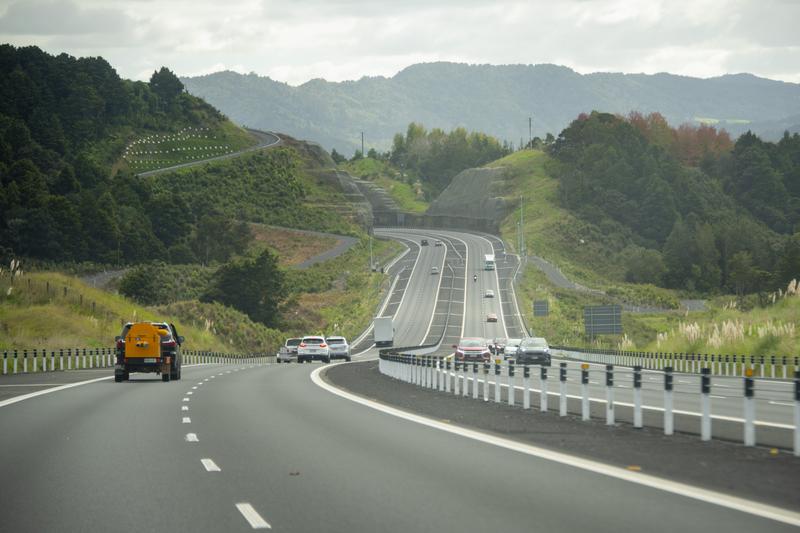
687 207
496 100
65 192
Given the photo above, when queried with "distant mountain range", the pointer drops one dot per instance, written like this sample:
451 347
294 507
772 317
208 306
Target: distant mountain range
494 99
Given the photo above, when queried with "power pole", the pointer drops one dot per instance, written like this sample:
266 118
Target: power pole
371 263
530 132
521 230
362 145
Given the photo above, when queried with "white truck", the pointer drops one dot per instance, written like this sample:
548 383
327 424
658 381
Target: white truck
383 331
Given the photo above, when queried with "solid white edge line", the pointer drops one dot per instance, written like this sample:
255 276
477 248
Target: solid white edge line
252 516
210 465
681 489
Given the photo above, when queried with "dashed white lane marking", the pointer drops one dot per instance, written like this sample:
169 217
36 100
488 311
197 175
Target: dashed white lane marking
184 408
770 512
192 437
787 404
189 393
715 396
186 420
194 388
207 378
210 465
252 516
186 399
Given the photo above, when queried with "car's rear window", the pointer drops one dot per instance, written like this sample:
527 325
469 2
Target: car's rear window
293 342
336 340
472 343
314 340
538 343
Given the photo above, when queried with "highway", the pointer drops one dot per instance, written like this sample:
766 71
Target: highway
236 448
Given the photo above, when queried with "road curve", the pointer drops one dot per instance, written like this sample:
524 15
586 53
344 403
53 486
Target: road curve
231 448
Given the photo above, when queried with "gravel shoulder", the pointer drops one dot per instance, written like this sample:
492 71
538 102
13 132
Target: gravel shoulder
752 473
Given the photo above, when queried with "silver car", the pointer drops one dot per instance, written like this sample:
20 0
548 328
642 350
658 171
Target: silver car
338 348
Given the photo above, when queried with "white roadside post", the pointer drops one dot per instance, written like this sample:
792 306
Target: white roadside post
562 389
796 412
15 361
526 385
496 383
637 396
61 359
447 376
543 388
610 395
585 415
440 374
511 390
749 409
474 381
456 366
669 420
486 368
25 361
705 407
465 385
432 372
5 363
35 359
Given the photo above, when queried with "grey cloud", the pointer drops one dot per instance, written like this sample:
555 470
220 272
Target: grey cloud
60 18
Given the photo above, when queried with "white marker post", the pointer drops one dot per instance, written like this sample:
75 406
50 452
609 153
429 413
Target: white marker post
511 390
796 412
447 376
465 385
562 390
474 381
637 396
749 409
456 365
585 414
705 404
496 383
610 395
486 369
543 388
526 385
669 419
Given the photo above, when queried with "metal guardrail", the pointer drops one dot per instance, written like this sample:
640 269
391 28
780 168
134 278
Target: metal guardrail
772 366
42 360
445 376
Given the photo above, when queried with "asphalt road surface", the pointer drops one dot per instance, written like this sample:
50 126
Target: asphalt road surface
233 448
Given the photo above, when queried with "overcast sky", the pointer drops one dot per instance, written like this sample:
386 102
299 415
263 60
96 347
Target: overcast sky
296 40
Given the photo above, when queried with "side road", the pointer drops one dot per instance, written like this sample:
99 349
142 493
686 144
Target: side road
753 473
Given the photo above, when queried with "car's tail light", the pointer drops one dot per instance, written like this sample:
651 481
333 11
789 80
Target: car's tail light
169 344
302 345
120 344
323 345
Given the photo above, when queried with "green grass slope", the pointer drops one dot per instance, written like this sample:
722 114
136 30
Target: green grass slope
404 189
588 256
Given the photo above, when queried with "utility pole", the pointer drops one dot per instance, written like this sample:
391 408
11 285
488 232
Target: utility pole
521 230
530 132
371 263
362 145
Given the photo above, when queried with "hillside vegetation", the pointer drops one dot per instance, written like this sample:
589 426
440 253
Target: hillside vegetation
586 209
66 191
493 99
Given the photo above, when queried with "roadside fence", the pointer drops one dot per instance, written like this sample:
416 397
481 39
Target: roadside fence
771 366
446 376
41 360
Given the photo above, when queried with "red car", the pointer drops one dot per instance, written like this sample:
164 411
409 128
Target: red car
473 349
491 317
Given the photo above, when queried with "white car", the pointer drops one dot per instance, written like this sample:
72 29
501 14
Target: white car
338 348
313 347
511 348
489 293
434 270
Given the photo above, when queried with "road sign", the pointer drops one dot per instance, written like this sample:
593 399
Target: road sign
602 320
541 307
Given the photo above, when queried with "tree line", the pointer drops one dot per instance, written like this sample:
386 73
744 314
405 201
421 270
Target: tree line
700 212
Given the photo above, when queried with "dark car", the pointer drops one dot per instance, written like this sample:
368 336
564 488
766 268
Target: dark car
472 349
497 345
533 350
424 242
